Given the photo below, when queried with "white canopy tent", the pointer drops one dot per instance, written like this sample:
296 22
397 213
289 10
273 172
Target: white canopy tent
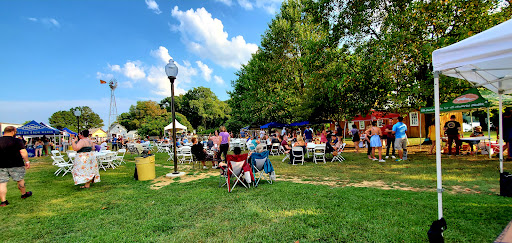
179 127
484 59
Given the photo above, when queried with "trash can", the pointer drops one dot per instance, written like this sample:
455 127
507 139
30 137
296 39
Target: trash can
145 167
506 184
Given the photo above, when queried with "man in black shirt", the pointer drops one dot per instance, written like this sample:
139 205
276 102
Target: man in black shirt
12 155
452 128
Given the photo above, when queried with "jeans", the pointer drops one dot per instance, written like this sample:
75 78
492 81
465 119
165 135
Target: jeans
390 142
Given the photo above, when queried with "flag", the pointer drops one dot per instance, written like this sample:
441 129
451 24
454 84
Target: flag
103 82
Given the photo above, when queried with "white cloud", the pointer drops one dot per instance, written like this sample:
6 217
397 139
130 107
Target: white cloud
218 80
104 76
157 77
131 69
245 4
205 70
48 22
227 2
270 6
162 54
205 36
153 6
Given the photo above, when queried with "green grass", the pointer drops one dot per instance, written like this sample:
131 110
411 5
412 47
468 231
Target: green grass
120 209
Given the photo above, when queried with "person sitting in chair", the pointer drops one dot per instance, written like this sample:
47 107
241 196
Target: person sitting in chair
198 151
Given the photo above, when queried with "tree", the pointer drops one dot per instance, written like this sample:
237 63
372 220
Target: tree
200 106
88 119
134 118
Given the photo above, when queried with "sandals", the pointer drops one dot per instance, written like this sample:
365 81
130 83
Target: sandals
84 187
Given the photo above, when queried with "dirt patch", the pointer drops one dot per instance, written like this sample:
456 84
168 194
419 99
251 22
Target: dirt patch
333 182
464 190
164 181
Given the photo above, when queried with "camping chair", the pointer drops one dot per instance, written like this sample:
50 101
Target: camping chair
319 153
258 162
237 166
250 147
275 149
338 155
298 155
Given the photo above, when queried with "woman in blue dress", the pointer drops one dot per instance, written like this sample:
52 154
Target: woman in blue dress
374 133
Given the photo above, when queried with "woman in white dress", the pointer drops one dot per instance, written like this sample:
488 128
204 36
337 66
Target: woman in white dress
85 166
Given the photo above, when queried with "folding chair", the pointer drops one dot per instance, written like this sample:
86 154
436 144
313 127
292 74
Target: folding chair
237 165
258 161
57 154
319 153
275 149
62 165
186 154
120 157
298 155
338 156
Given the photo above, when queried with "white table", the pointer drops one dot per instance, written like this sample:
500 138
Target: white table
475 139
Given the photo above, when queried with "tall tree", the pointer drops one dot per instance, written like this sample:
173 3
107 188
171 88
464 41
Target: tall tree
88 119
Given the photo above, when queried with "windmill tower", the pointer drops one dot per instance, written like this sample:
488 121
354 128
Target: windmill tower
112 116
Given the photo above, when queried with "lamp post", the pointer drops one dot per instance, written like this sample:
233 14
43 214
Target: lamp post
171 70
77 113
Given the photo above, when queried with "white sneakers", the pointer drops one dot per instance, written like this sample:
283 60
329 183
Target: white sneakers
382 160
393 157
387 157
204 167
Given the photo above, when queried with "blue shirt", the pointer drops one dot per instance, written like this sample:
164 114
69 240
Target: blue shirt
400 128
308 134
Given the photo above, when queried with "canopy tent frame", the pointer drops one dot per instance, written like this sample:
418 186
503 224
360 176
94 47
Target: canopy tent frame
487 60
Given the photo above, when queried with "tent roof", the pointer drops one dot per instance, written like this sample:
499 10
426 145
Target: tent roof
484 59
471 99
179 126
35 128
273 124
69 131
298 124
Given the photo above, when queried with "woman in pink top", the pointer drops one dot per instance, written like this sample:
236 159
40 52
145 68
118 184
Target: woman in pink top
323 136
224 143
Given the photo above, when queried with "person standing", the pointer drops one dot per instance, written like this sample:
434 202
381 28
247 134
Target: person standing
114 143
308 134
399 130
390 141
85 166
224 143
13 163
355 137
452 129
374 134
45 145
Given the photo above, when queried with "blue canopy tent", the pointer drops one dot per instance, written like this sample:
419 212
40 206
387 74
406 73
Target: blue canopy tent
298 124
34 128
273 125
69 131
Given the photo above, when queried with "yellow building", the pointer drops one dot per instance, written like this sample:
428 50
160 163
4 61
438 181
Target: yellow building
97 133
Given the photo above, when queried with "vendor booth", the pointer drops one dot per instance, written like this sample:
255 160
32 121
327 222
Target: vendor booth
485 60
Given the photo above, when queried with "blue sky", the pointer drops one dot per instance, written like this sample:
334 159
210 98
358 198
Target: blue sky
53 53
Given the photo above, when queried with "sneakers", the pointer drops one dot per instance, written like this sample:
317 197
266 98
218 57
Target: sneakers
204 167
387 157
374 159
27 194
398 160
4 203
382 160
393 157
215 167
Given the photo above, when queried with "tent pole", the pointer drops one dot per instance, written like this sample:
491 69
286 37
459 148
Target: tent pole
471 117
500 112
438 147
419 118
489 131
344 131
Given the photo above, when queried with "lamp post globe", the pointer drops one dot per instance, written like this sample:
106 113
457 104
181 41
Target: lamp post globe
77 113
171 70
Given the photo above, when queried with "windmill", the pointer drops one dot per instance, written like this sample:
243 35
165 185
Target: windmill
112 116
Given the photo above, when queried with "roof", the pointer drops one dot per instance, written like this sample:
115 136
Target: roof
94 130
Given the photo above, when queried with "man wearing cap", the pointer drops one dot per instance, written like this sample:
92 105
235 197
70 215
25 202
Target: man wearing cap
13 162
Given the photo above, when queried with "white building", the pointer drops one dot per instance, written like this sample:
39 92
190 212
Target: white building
3 125
132 135
118 130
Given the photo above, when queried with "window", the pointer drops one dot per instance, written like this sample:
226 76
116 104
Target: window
361 125
350 123
413 119
380 123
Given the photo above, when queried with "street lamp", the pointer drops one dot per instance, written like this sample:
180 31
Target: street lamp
77 113
171 70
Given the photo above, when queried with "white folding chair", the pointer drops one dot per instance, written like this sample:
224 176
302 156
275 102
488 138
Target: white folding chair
319 153
71 156
101 158
169 152
237 172
62 165
57 154
298 155
186 154
120 157
274 150
338 156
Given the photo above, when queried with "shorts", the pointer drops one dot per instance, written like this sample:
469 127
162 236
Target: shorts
400 143
16 173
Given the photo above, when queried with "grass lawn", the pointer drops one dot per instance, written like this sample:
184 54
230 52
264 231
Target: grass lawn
354 201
